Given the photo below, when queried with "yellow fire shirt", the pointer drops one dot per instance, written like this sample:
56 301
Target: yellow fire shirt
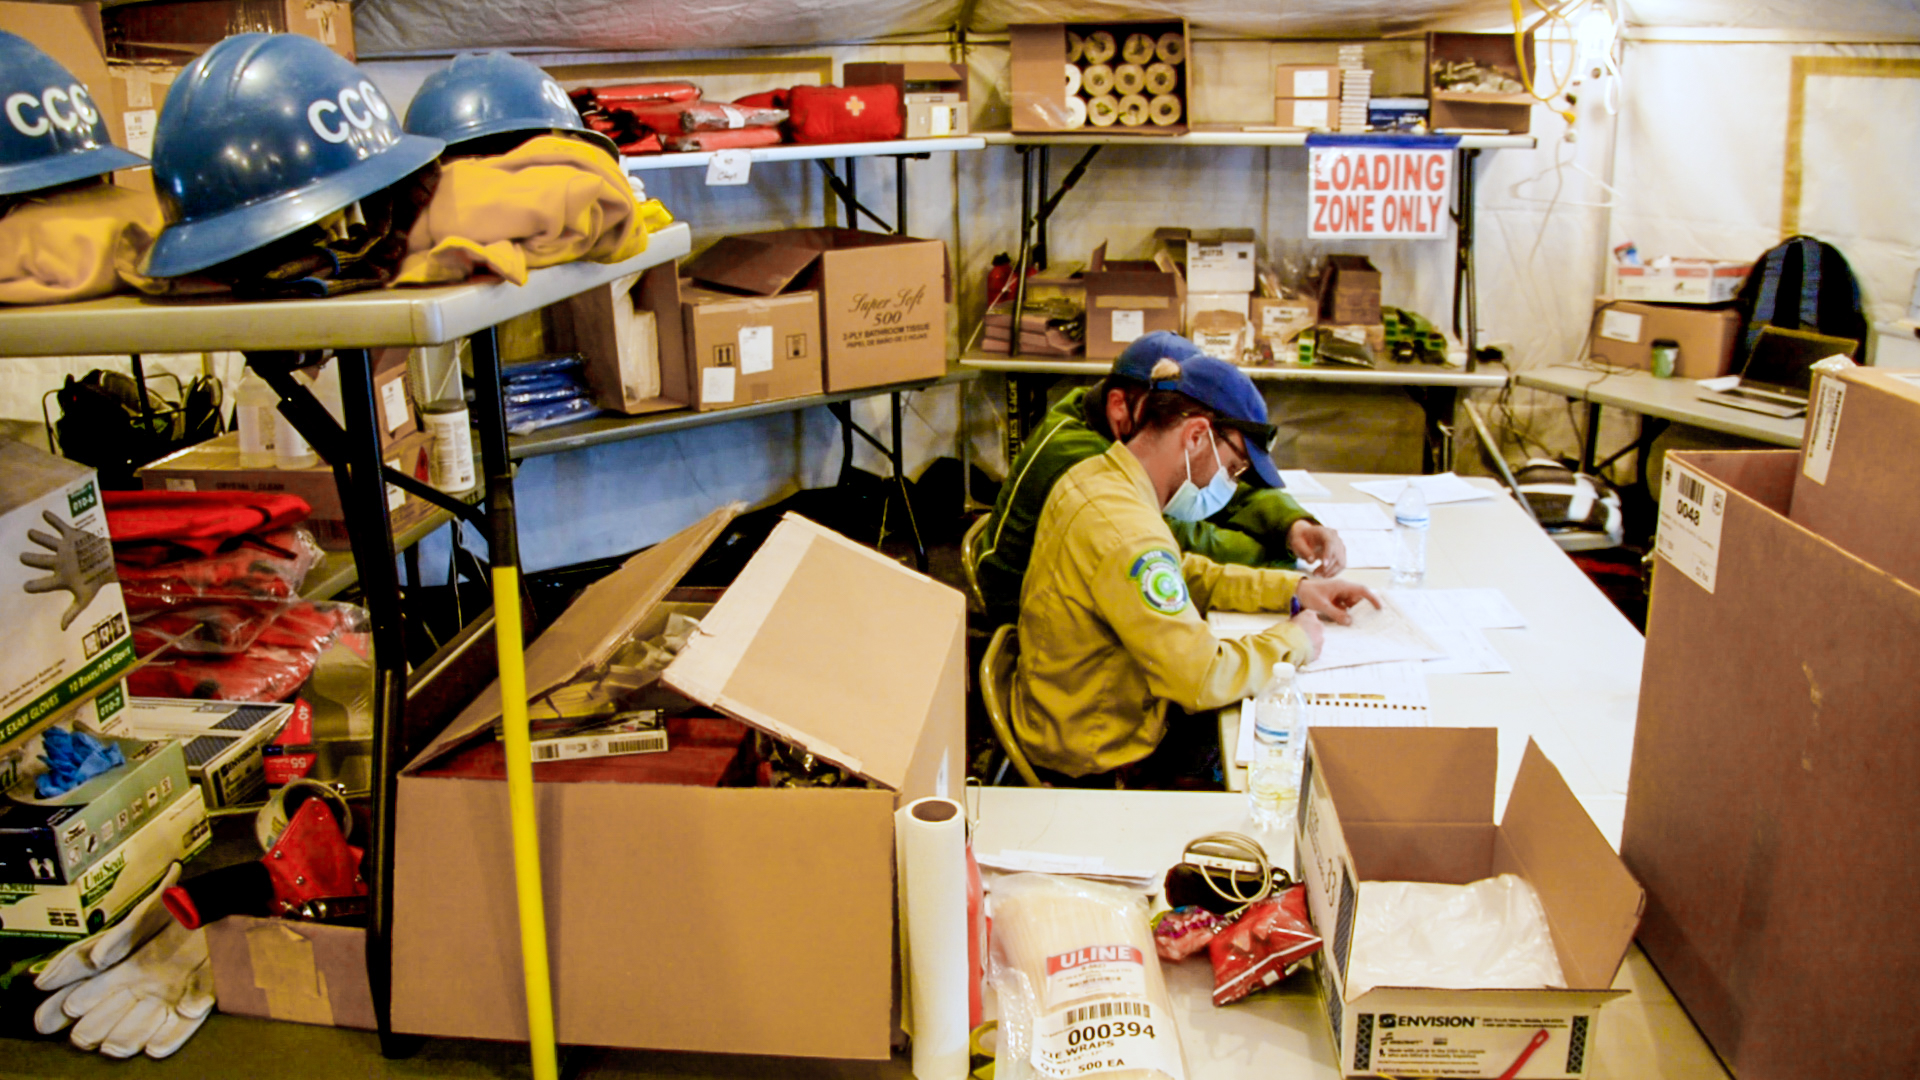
65 246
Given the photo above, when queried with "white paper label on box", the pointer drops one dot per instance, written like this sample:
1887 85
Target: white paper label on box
1219 344
1107 1036
1691 512
716 386
1824 428
178 484
1621 326
140 124
940 122
1095 971
1312 114
1312 84
1128 326
756 349
396 495
728 168
393 404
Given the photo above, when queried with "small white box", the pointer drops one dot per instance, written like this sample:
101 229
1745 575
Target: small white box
1683 281
222 740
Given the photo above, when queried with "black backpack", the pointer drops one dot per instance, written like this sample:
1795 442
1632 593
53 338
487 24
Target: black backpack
1800 284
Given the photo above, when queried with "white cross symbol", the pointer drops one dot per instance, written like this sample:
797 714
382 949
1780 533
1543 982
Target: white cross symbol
856 106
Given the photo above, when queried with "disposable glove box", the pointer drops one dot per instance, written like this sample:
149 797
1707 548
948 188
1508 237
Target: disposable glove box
54 839
101 895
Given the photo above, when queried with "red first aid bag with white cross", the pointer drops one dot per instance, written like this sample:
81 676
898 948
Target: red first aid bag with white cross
841 114
1262 946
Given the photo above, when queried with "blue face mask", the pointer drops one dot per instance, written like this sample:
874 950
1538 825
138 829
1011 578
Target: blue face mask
1192 503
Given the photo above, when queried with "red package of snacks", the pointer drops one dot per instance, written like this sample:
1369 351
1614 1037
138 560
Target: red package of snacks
1184 931
1261 948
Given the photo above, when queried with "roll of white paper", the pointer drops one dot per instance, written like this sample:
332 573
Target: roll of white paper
1138 49
1076 112
1171 48
1073 80
1074 47
1103 111
1164 110
933 865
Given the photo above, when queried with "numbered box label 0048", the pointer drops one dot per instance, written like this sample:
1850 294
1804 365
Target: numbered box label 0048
1692 509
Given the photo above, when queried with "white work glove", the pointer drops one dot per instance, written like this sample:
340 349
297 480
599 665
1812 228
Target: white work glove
153 1000
92 955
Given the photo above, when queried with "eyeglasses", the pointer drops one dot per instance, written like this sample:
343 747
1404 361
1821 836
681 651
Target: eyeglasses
1239 462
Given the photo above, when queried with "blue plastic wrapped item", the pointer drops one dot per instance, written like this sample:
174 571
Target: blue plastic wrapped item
538 382
544 365
515 396
526 419
72 758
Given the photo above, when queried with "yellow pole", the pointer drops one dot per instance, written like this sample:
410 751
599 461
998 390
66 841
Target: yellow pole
526 826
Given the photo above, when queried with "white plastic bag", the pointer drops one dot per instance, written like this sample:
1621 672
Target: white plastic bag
1490 935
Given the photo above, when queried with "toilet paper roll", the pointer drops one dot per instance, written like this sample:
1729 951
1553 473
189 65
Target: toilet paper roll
1161 77
1076 112
1129 79
1073 80
933 869
1074 47
1164 110
1099 47
1138 49
1097 79
1133 110
1171 48
1103 111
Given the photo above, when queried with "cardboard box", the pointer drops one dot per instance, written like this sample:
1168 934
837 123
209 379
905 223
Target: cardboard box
1281 321
1214 260
57 650
1199 303
1416 804
1773 765
214 465
392 395
125 875
1038 58
55 840
1349 290
222 740
1306 81
1129 299
1225 335
1863 434
819 641
747 349
1624 333
883 298
182 29
630 333
933 96
137 92
282 969
1311 114
1683 281
1512 113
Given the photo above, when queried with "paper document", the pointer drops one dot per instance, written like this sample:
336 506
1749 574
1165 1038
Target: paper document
1369 550
1300 483
1488 609
1376 636
1453 624
1370 695
1350 517
1444 488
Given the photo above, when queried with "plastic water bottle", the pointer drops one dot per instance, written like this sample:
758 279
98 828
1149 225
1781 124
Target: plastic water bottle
1280 737
254 414
1410 521
290 449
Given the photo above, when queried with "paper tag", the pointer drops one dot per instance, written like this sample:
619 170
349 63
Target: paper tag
756 349
140 124
1128 326
181 484
139 82
716 386
735 118
1313 114
940 780
1108 1036
1312 84
1621 326
393 404
727 168
1691 511
1095 971
396 495
940 122
1824 428
1219 344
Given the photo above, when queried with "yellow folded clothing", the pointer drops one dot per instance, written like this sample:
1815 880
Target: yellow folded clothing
550 201
66 246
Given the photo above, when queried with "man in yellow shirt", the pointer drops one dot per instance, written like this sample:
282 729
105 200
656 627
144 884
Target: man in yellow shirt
1115 652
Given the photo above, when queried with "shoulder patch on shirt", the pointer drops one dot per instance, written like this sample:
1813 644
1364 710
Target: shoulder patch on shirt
1162 586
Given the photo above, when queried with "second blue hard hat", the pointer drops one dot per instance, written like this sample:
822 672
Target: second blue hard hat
261 136
494 93
50 131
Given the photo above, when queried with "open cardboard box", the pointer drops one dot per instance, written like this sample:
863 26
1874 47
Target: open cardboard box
1128 299
727 919
1038 56
629 333
285 969
1416 804
1863 434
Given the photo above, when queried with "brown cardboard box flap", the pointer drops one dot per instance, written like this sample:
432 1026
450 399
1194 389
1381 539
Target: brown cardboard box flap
932 71
828 645
1413 775
1593 904
308 973
594 625
751 264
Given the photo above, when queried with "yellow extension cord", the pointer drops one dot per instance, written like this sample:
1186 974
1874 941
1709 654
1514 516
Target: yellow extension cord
1520 55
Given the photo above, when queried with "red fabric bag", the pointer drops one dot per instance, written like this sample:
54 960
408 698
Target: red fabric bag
202 521
724 140
837 114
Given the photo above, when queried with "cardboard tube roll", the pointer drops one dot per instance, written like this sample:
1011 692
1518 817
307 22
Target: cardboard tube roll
1161 77
1100 47
1076 112
1138 49
1073 80
1171 48
1164 110
1097 79
1129 79
1075 46
1133 110
933 844
1103 111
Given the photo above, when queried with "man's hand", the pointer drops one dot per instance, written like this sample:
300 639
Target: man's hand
1316 634
1332 599
80 564
1310 541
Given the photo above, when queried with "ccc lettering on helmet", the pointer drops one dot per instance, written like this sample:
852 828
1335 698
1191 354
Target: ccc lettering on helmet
34 115
552 92
356 108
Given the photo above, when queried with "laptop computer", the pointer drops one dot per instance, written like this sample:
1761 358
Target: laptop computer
1779 372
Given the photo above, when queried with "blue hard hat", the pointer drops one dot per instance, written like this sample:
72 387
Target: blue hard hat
1215 383
50 131
494 93
262 136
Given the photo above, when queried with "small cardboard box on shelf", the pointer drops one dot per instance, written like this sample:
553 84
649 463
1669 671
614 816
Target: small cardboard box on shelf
1624 333
933 96
1129 299
285 969
1682 281
630 333
1350 290
1863 450
1127 77
1479 59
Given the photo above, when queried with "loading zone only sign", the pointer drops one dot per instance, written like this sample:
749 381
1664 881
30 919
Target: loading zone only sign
1378 193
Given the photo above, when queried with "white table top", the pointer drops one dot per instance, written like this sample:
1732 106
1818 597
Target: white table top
1385 374
1214 135
1669 399
1282 1034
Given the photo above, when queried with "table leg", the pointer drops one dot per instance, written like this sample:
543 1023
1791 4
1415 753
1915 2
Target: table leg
1439 404
1590 447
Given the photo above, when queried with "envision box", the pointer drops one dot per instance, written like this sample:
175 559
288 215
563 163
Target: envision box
1684 281
103 894
768 912
1416 804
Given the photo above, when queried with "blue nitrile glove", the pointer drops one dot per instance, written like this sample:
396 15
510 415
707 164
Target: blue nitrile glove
73 758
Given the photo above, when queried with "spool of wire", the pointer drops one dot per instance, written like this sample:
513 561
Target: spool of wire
1161 77
1164 110
1138 49
1129 79
1074 47
1076 112
1097 79
1099 47
1133 110
1103 111
1073 80
1171 48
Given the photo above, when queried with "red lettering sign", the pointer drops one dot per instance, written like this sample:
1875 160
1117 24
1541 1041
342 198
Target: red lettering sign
1379 193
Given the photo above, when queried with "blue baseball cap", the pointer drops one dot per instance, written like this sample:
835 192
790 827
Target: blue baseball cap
1212 382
